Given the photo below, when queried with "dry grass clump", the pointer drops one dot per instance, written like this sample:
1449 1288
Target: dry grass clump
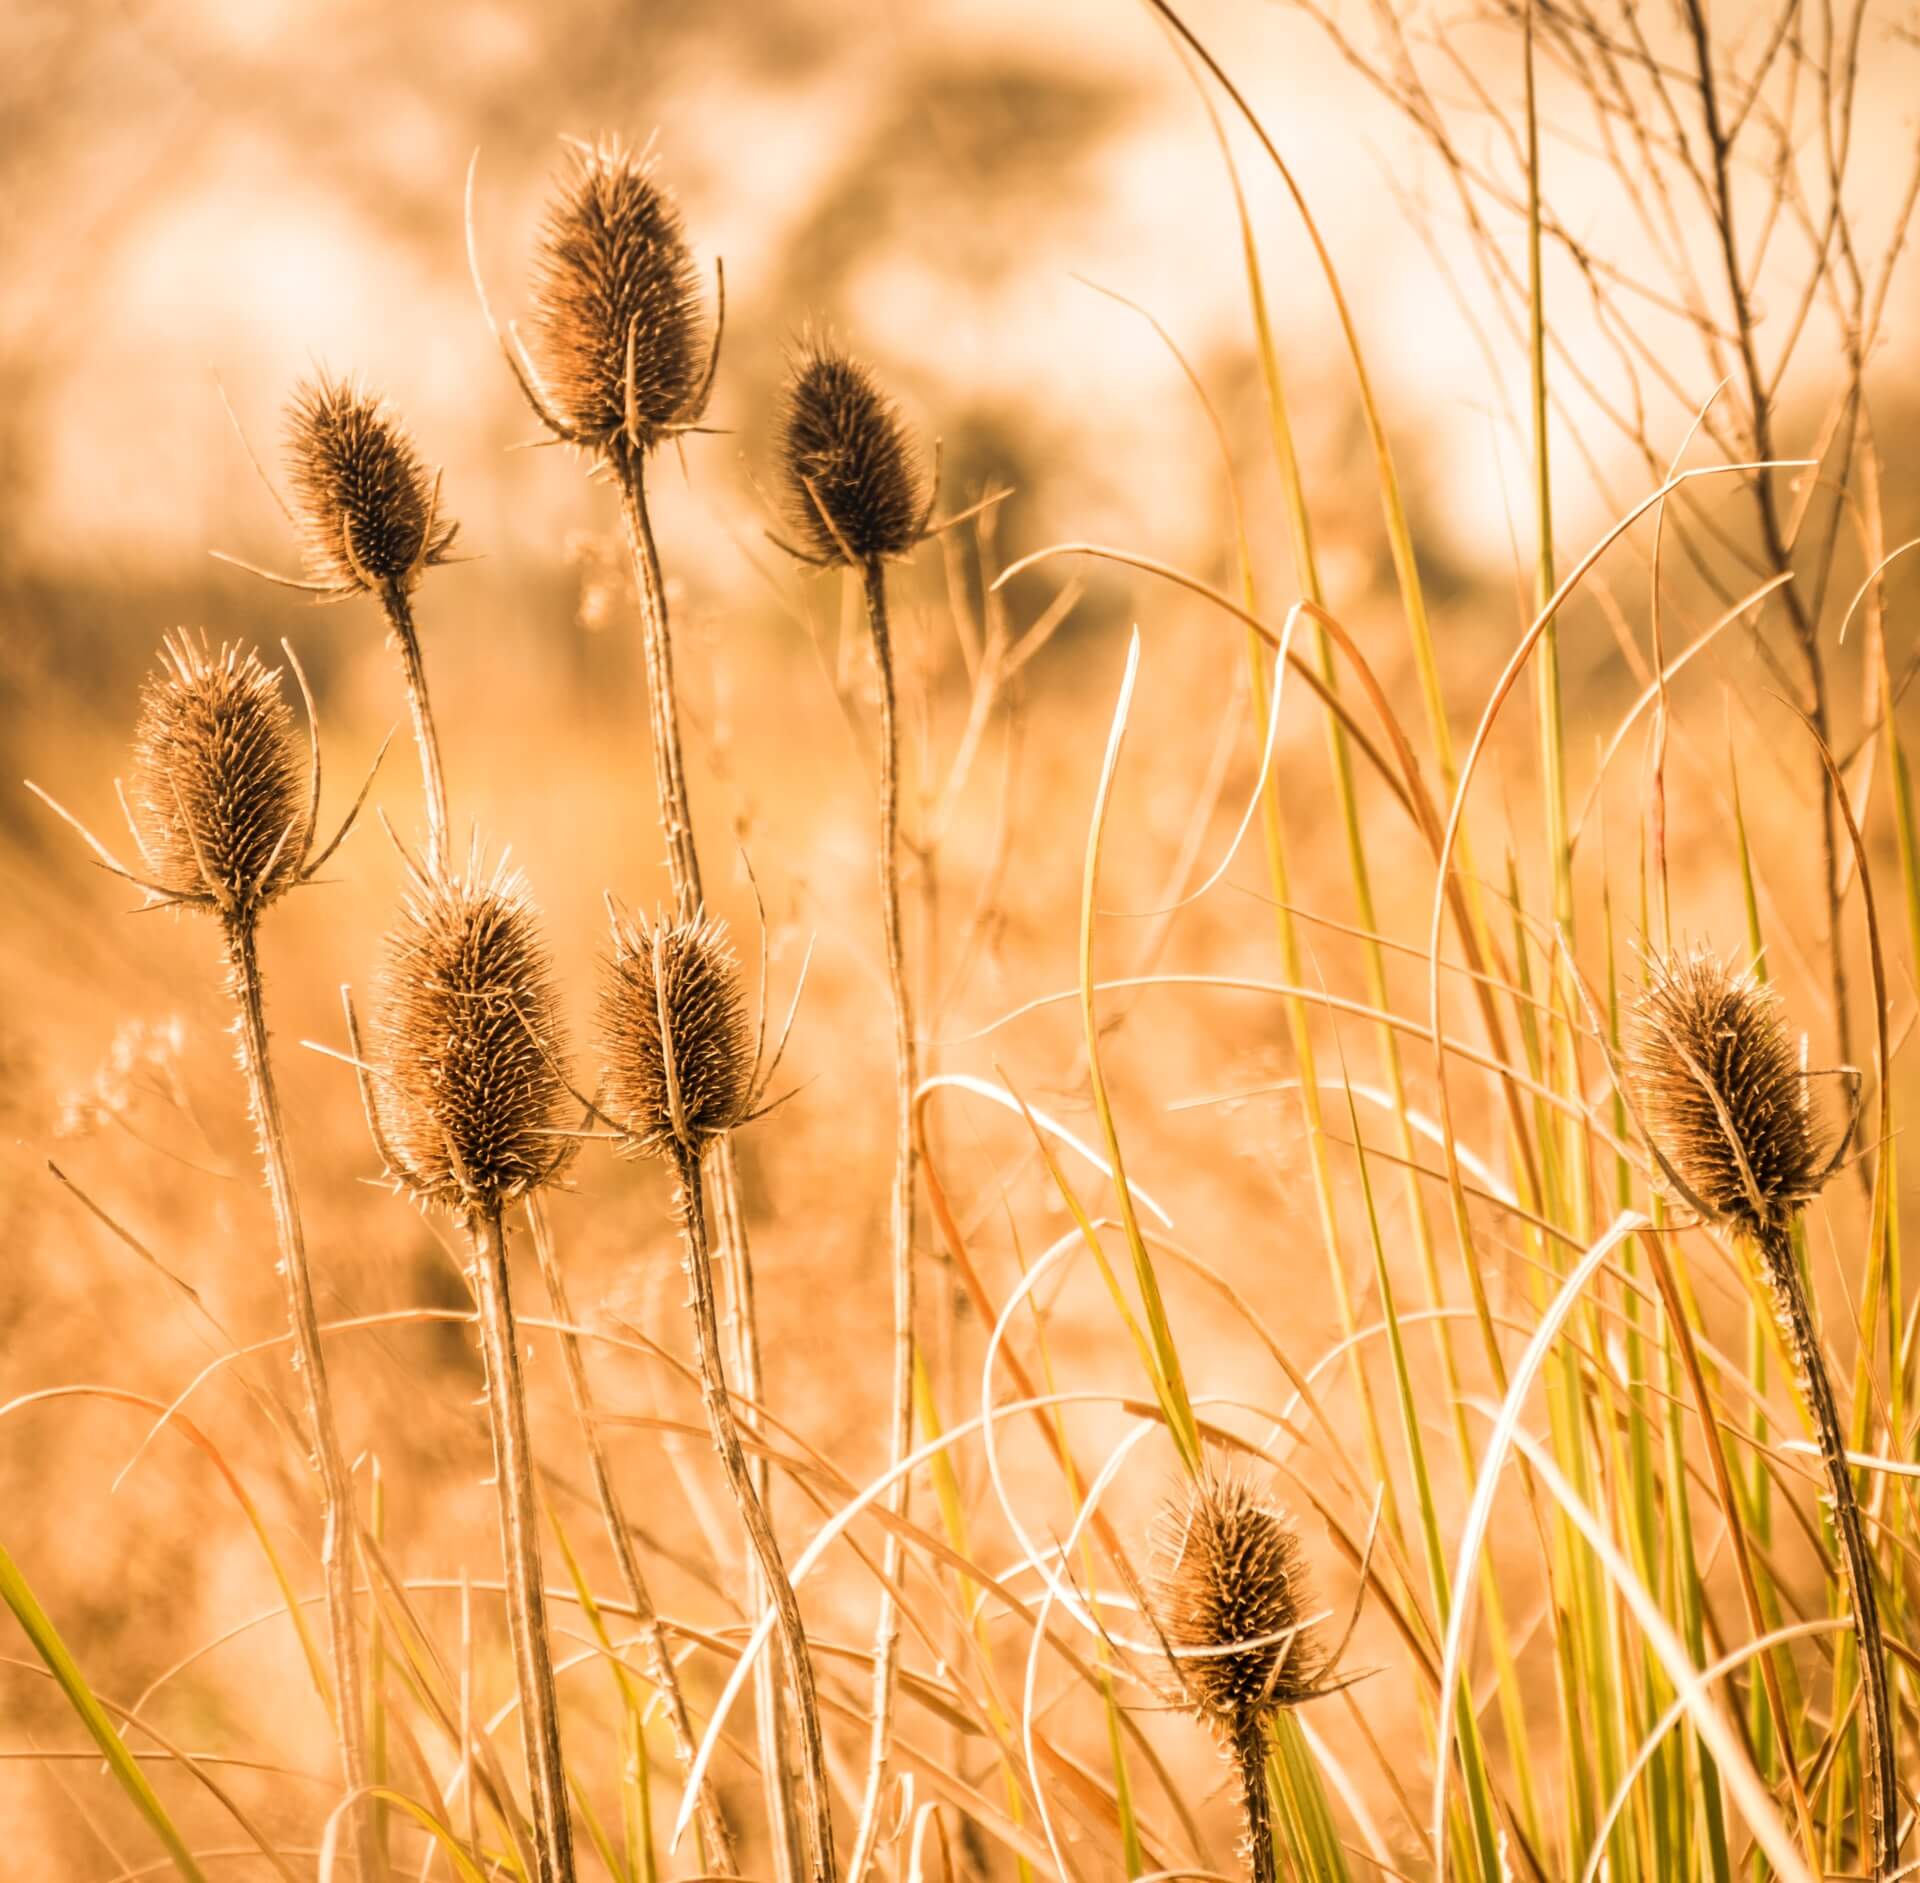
467 1039
618 330
853 487
367 507
679 1051
219 791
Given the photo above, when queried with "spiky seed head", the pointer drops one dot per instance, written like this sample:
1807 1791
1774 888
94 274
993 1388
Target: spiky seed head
1228 1569
678 1052
218 795
1721 1091
466 1040
852 484
367 506
614 279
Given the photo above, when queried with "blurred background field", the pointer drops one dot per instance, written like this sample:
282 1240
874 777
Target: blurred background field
249 188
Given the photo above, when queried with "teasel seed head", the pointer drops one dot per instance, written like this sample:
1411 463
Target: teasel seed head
1721 1092
368 508
1228 1569
853 486
219 791
678 1050
466 1043
615 281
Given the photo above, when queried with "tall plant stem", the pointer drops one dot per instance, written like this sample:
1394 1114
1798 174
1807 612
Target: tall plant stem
722 1857
743 1347
1250 1760
1795 1315
1772 528
339 1525
406 637
887 1632
692 1208
520 1545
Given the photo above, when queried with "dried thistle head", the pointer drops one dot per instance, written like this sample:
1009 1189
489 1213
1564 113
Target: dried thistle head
466 1042
616 291
678 1051
368 508
219 793
1227 1570
852 484
1721 1092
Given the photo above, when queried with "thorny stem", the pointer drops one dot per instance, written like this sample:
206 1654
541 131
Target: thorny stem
683 870
722 1857
520 1545
1250 1759
399 613
690 1203
340 1525
887 1631
1795 1315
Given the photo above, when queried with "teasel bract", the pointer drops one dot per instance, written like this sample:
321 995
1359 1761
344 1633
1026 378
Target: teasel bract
468 1107
678 1073
222 806
370 523
1723 1099
1229 1597
857 499
623 359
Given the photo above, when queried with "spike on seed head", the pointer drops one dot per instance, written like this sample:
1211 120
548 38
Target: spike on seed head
853 487
614 279
218 793
367 507
673 1026
1227 1570
467 1036
1721 1091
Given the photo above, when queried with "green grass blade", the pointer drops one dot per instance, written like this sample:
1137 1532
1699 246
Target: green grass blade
40 1631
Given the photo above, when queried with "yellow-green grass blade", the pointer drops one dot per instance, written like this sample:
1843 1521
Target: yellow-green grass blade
45 1637
1481 1809
636 1810
1168 1377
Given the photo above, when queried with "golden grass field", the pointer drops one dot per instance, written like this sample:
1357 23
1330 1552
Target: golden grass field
1135 359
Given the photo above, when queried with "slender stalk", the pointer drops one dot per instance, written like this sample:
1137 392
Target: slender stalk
887 1630
399 613
520 1544
339 1524
690 1202
736 1259
722 1857
1250 1761
1795 1314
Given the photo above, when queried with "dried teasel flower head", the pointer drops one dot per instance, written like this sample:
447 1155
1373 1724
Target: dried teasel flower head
1229 1594
853 486
678 1050
468 1100
1722 1094
368 508
618 332
220 792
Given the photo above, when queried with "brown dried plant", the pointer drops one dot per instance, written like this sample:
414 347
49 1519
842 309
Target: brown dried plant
616 369
223 812
1723 1098
855 492
679 1072
1229 1596
467 1104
